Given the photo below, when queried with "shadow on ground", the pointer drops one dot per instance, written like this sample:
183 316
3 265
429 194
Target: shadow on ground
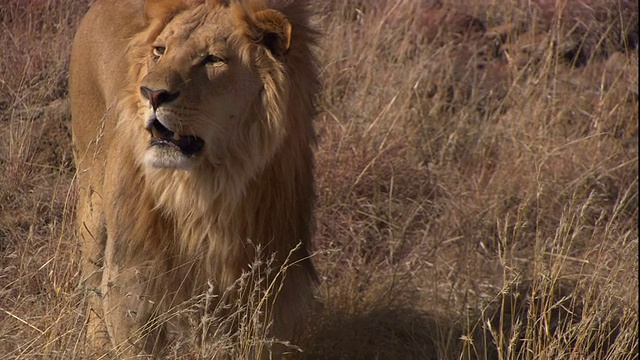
551 312
381 333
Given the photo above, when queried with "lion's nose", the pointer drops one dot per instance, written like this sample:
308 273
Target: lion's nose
158 97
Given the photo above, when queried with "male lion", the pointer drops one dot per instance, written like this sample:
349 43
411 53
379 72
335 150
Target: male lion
194 145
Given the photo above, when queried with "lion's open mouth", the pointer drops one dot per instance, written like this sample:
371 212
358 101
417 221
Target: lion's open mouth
160 135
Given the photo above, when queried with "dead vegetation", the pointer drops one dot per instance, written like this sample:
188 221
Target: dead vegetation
477 182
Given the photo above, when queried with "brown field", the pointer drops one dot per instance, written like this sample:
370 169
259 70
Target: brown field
478 188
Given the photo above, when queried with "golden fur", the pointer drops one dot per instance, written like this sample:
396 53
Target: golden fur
161 217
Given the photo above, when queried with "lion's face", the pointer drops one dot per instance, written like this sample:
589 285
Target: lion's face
200 90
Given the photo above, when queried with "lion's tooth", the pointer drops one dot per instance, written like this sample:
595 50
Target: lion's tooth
176 136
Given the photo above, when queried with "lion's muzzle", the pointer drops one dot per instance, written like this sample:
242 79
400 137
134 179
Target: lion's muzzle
161 136
158 97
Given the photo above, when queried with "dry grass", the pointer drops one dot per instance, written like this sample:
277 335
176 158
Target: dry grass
473 203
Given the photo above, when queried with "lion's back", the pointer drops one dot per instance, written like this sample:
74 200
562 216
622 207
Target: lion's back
98 69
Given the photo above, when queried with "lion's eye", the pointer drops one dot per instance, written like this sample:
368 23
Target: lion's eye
212 60
158 51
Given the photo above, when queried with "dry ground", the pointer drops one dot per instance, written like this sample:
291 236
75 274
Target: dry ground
478 187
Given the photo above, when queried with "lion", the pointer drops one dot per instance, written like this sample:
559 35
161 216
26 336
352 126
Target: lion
194 146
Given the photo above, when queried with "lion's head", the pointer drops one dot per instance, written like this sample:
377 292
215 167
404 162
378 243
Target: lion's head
201 91
213 85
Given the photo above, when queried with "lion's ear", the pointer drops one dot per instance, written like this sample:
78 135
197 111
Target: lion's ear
275 31
269 28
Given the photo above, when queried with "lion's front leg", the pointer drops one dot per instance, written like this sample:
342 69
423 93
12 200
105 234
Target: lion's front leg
128 310
92 237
